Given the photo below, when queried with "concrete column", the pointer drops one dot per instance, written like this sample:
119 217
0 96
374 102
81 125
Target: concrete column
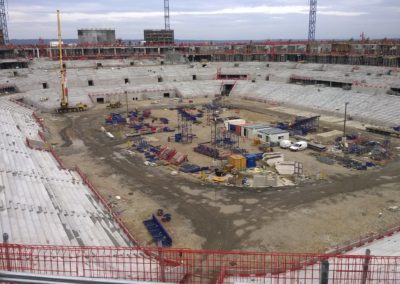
7 253
366 266
324 278
161 262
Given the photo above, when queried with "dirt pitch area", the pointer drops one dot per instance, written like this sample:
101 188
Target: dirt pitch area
307 218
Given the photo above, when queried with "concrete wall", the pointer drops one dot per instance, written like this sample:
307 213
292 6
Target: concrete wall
96 36
133 95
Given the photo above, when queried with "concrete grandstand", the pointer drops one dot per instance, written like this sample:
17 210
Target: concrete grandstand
369 85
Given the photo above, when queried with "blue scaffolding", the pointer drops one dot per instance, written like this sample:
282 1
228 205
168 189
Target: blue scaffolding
185 123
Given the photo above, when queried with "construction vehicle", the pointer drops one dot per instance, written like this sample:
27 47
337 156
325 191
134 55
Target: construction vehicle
64 106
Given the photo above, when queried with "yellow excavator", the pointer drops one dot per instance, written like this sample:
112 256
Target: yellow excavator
64 106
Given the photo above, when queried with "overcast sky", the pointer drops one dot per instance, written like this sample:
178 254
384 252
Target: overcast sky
207 19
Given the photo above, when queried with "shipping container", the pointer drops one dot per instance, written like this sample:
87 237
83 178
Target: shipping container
238 162
251 161
227 123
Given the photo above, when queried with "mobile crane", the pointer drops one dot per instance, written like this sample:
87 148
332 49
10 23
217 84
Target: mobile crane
64 106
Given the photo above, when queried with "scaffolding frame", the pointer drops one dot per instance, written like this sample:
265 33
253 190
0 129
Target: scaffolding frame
185 126
3 21
226 139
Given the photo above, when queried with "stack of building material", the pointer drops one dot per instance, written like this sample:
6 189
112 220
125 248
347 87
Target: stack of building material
166 153
178 158
189 168
207 151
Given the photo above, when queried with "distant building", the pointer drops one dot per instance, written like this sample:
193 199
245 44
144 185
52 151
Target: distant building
96 36
159 36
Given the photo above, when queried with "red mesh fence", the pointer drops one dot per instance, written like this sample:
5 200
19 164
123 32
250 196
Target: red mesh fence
196 266
38 120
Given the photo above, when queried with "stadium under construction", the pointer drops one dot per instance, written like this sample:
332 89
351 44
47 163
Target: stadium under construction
239 162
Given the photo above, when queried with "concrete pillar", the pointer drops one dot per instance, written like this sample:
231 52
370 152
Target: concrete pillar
161 262
7 253
324 278
366 266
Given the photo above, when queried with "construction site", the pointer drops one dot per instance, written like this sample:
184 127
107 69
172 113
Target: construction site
260 162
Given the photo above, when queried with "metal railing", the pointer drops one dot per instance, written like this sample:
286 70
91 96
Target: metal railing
197 266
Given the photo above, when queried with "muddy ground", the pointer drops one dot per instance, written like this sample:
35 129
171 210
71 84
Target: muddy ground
305 218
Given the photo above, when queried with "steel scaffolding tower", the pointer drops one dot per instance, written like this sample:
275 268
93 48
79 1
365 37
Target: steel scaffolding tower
185 122
313 20
3 20
166 15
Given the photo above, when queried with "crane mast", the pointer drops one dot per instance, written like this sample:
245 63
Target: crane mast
312 20
64 94
64 106
166 15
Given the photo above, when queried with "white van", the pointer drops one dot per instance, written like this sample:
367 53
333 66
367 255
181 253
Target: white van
285 144
299 146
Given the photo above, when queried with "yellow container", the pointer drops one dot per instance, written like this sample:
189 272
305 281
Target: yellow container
238 162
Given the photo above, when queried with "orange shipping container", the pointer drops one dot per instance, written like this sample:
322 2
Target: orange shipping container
238 162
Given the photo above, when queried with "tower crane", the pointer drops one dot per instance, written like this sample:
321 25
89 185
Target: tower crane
312 25
64 106
166 15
